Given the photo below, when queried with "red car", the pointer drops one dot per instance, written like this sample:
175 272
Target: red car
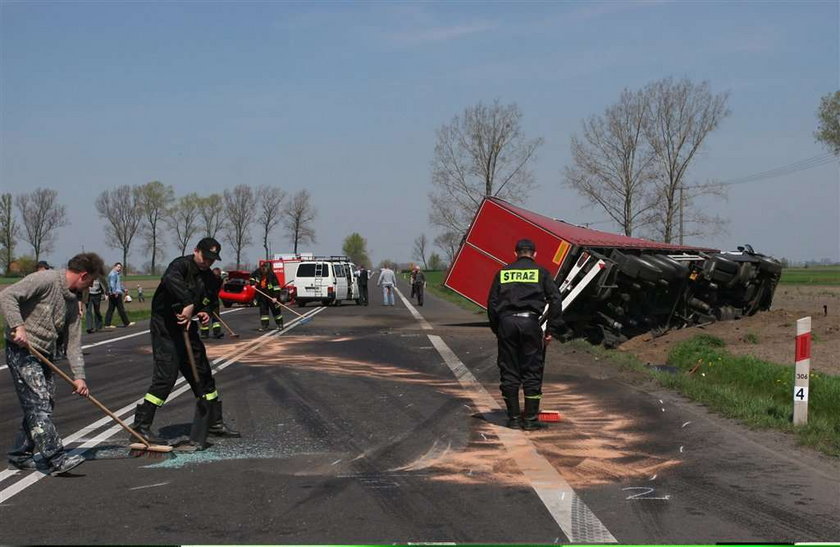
237 290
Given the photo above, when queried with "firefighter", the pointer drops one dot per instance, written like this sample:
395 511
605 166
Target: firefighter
214 313
264 279
186 290
518 296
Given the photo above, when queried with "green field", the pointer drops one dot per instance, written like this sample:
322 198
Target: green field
815 275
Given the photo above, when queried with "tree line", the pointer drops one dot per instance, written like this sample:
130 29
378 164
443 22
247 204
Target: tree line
633 161
152 217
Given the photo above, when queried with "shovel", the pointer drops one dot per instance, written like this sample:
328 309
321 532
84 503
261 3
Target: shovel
201 419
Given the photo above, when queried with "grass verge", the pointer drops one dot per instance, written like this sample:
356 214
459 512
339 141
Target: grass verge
434 284
755 392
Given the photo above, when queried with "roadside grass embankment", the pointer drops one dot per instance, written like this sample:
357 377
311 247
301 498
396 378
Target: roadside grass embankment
757 393
814 275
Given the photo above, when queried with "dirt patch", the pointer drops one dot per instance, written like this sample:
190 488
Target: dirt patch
767 335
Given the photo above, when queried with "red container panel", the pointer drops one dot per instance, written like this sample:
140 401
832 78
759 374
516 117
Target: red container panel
496 230
472 274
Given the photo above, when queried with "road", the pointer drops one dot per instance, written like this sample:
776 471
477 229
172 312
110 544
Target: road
383 424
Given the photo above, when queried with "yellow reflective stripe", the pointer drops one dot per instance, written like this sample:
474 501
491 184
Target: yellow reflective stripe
204 327
533 396
216 325
264 317
520 276
212 395
154 400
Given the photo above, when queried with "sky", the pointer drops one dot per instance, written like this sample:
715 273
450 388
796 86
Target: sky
344 99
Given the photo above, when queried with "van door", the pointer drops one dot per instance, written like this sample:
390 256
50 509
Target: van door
340 280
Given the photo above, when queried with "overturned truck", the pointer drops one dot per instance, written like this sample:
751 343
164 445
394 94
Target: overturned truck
614 287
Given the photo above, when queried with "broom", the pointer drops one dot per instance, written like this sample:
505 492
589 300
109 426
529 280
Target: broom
303 319
230 330
143 448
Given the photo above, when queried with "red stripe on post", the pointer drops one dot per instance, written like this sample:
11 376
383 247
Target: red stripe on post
803 346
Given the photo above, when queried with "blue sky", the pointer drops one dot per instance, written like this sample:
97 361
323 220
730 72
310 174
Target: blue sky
344 98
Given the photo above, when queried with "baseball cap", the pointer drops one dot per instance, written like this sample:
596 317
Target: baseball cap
210 248
525 244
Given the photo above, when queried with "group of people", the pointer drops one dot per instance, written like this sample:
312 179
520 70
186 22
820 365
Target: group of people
45 304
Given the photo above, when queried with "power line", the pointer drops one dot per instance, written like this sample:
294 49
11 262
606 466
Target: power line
801 165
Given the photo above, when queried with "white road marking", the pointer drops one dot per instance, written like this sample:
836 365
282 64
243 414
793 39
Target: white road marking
575 519
30 478
150 486
423 323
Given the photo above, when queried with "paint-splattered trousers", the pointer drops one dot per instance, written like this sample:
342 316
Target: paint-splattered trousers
35 387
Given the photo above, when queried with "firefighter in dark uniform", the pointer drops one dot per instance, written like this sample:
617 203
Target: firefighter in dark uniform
264 279
517 300
187 289
214 313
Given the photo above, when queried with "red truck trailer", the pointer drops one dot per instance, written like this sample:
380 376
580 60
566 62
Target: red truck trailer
614 286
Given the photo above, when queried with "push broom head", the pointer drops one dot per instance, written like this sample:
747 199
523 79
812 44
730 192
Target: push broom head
152 451
549 416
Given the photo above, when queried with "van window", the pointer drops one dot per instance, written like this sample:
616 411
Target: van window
306 270
339 270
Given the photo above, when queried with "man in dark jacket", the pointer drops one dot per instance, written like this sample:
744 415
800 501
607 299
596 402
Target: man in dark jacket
187 289
516 303
266 282
363 284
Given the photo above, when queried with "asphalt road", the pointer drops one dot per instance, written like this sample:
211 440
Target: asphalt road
382 424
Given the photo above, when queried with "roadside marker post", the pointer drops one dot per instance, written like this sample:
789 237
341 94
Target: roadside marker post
803 371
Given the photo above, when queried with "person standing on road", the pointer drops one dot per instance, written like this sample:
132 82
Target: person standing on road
37 308
363 285
116 294
94 313
265 280
388 281
418 284
518 297
186 290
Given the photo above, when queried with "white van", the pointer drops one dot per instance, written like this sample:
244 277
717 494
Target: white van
327 282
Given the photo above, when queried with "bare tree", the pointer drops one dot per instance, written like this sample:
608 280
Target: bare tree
120 207
612 164
483 153
155 199
212 210
269 214
42 216
183 221
682 114
448 242
9 232
828 131
298 219
420 245
240 204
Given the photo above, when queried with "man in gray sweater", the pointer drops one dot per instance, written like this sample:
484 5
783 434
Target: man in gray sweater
37 308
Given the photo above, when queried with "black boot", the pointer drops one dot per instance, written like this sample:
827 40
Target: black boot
531 421
218 427
514 420
144 415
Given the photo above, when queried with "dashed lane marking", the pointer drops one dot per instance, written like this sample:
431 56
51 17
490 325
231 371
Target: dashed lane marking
31 477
